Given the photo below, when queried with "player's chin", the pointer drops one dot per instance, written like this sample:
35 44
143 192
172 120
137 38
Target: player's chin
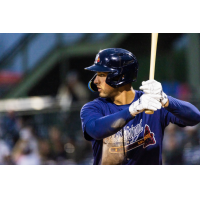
103 95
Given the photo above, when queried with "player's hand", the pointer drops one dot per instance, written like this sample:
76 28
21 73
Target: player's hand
154 87
146 101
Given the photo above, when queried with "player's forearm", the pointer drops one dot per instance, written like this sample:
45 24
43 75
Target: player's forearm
108 125
185 111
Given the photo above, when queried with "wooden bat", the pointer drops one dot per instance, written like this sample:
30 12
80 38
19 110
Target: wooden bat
154 39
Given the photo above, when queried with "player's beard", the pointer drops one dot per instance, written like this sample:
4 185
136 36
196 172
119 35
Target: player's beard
107 93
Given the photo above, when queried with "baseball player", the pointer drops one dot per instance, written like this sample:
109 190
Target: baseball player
116 124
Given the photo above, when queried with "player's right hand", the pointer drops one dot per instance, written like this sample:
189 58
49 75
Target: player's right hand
154 87
146 101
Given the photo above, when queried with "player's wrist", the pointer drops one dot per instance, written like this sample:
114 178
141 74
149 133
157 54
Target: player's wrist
164 100
133 108
166 104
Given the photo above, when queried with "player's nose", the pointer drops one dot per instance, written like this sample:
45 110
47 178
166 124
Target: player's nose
96 80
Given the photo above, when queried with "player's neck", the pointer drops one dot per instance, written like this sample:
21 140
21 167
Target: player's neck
125 96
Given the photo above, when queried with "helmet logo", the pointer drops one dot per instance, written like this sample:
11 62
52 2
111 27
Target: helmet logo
97 59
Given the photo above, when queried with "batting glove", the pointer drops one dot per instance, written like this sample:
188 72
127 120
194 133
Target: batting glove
146 101
154 87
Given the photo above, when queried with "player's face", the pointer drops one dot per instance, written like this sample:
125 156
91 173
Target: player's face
104 89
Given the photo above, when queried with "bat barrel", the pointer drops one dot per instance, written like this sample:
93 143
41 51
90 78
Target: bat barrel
154 39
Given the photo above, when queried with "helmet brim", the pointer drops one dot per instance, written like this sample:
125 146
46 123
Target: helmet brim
99 68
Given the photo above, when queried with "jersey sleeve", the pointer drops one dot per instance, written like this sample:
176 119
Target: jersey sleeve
89 112
181 113
97 126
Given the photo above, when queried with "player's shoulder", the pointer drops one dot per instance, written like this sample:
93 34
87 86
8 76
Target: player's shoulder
97 103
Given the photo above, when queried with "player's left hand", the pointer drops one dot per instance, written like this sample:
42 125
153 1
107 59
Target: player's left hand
154 87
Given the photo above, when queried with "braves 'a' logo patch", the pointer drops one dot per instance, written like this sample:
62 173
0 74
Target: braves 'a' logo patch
149 138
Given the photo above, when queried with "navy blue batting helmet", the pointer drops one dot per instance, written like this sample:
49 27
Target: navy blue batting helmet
121 64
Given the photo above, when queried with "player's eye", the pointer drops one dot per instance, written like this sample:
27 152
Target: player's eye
101 74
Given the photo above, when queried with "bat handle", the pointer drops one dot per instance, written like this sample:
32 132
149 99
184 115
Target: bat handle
149 112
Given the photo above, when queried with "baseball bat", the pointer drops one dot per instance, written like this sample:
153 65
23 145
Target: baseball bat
154 39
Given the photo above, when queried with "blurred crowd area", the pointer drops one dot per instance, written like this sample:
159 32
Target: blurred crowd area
43 139
181 146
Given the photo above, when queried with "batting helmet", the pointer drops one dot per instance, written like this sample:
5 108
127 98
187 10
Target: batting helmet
121 64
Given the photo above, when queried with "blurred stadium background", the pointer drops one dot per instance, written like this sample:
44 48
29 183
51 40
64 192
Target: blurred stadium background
43 86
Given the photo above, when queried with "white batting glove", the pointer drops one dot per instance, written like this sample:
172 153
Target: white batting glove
154 87
146 101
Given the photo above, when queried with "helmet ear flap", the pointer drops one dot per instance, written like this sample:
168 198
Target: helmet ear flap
91 84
